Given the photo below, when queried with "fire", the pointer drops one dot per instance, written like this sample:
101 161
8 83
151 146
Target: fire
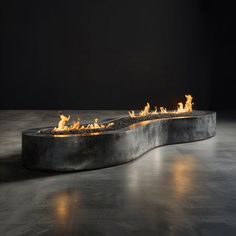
95 125
77 125
180 109
188 105
144 112
163 110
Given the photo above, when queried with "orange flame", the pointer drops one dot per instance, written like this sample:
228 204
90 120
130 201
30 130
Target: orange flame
62 123
188 105
77 126
144 112
180 109
163 110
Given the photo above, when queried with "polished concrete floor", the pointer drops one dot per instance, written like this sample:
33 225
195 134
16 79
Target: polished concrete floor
185 189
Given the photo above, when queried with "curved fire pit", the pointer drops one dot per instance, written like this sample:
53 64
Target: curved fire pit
124 140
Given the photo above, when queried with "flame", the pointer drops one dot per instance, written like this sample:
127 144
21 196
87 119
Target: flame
180 109
77 126
62 123
163 110
188 105
144 112
96 125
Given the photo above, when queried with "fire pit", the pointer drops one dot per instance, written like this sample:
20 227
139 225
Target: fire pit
116 141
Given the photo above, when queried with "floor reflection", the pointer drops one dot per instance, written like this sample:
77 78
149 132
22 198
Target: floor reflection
138 182
182 170
178 183
65 204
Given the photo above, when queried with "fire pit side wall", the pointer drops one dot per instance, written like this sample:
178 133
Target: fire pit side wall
76 152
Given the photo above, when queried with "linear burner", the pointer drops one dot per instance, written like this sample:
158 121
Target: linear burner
89 146
127 139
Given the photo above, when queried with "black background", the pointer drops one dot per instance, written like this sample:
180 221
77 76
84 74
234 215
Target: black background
116 54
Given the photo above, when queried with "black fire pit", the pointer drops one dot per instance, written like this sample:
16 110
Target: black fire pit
126 140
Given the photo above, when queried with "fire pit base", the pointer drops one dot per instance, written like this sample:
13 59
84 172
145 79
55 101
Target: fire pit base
97 150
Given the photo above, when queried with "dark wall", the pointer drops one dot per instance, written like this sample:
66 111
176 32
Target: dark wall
113 54
221 25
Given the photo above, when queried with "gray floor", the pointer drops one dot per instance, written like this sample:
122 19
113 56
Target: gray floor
185 189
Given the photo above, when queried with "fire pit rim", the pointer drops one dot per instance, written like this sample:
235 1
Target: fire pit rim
76 152
35 131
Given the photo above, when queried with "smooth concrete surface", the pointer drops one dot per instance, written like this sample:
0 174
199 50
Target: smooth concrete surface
183 189
114 147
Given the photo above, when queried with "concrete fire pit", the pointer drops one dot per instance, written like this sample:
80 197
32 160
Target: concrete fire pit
72 152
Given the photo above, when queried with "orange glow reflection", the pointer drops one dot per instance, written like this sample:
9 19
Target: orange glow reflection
183 173
141 123
64 203
85 134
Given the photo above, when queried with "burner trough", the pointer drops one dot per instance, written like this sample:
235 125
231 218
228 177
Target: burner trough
72 152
